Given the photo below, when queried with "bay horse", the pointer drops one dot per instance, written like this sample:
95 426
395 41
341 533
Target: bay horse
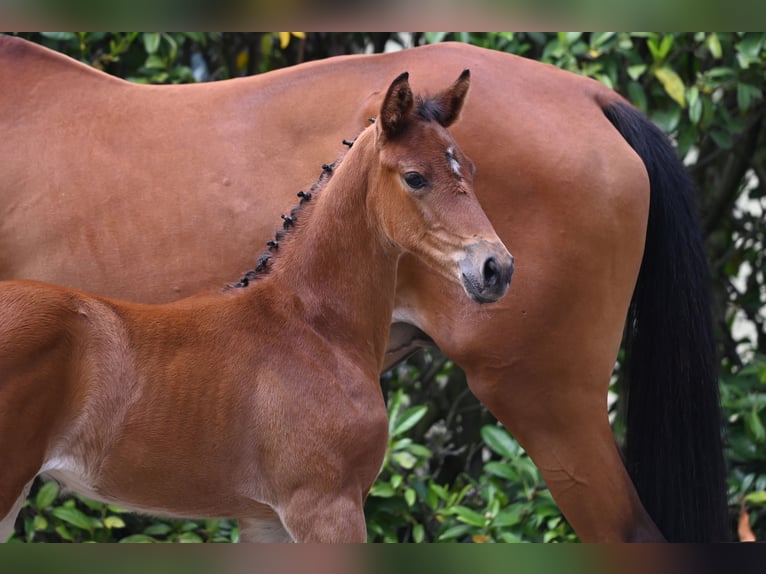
260 402
122 188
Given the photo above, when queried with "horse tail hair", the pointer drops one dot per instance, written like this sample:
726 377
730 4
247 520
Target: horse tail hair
673 445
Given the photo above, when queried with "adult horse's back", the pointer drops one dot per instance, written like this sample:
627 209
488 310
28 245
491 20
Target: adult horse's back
121 189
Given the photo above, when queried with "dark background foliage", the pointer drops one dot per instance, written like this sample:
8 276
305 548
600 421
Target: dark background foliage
451 473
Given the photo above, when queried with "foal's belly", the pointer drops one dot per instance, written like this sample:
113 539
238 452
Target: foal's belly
159 496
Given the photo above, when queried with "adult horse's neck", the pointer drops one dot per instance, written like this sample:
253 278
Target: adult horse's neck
338 263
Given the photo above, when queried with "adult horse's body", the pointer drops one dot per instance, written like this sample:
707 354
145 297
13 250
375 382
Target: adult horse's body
121 189
261 401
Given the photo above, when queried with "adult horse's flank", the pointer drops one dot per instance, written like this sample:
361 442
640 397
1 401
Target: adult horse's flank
123 189
260 402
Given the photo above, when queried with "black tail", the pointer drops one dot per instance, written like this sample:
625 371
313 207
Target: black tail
673 446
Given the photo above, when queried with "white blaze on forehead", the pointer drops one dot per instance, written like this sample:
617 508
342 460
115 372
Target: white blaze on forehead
453 162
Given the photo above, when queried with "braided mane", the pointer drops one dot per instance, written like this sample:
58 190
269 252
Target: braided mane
263 264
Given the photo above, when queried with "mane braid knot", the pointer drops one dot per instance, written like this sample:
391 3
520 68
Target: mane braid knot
305 196
288 221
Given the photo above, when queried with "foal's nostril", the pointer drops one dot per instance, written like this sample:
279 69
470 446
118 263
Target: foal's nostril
491 272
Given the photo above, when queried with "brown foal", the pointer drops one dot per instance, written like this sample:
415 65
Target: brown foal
260 401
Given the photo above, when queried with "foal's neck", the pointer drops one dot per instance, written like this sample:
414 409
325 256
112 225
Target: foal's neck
339 263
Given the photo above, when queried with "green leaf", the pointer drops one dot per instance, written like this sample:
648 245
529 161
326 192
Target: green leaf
404 459
151 42
402 443
409 419
455 532
46 495
410 497
92 504
743 97
418 533
63 532
500 441
720 73
713 45
382 490
189 525
672 83
598 39
73 516
667 119
660 48
746 94
39 523
439 491
501 470
155 61
468 516
695 105
114 522
635 72
758 497
508 517
419 451
394 406
435 37
510 537
173 46
755 426
158 529
722 138
137 538
62 36
189 537
750 46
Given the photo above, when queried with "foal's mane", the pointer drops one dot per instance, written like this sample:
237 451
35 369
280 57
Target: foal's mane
283 234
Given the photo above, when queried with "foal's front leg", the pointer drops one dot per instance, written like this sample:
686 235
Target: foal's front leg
264 530
310 516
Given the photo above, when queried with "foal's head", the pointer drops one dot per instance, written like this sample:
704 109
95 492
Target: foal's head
425 199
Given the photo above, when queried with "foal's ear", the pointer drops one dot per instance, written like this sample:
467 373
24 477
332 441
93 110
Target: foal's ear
396 106
451 101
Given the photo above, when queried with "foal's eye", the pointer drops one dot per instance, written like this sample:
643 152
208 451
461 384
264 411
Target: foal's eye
414 180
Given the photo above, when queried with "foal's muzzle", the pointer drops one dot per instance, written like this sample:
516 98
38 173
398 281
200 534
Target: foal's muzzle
486 269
